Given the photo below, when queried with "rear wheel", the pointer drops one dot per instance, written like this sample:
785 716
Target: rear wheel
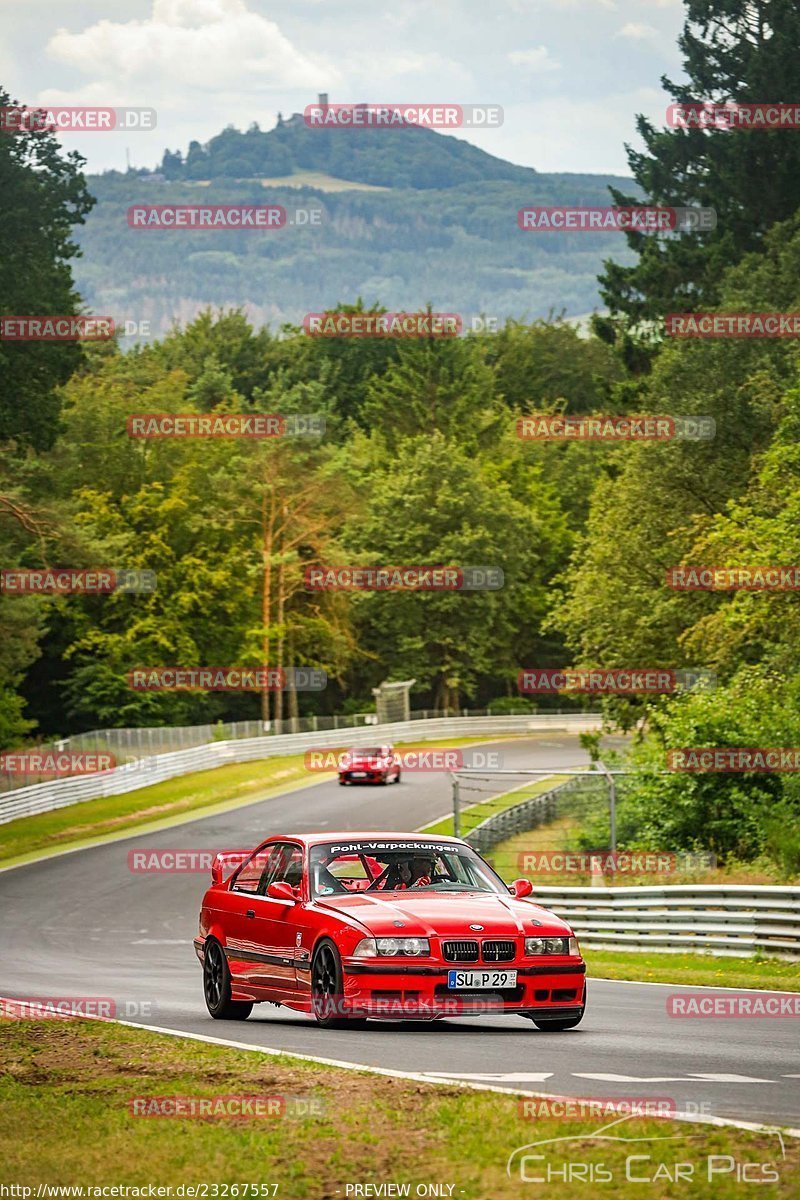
327 989
217 987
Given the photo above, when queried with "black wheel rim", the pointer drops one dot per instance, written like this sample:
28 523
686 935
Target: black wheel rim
323 982
213 976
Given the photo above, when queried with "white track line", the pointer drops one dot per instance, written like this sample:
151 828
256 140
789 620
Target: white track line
419 1077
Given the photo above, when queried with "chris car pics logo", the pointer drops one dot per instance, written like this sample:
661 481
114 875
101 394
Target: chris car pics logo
613 1154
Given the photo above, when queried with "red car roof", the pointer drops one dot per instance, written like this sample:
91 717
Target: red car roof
378 835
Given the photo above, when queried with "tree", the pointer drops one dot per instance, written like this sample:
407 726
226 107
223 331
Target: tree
650 510
42 195
437 503
539 365
733 50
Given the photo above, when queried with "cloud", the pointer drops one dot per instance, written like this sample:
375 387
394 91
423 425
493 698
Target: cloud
537 59
208 44
638 32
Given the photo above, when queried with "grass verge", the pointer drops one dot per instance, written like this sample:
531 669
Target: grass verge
769 973
66 1089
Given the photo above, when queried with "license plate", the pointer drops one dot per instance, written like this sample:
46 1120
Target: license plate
481 979
358 774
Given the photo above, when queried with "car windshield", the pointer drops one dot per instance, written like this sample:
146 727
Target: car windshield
338 868
374 752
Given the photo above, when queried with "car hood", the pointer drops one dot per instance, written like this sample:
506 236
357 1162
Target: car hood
421 914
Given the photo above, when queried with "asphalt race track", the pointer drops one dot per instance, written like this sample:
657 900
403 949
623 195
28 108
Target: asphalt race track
84 924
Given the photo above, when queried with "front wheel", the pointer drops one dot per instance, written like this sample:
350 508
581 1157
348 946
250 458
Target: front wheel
397 777
327 989
217 987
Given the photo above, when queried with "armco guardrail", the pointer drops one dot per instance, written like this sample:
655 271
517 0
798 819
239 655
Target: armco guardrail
58 793
728 919
528 814
718 919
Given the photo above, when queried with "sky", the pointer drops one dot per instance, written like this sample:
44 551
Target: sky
570 75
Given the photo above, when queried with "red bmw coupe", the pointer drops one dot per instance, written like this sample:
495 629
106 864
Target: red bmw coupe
383 925
378 764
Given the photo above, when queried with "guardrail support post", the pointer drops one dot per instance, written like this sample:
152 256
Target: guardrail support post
456 809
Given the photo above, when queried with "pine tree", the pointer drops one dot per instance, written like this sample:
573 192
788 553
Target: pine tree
738 51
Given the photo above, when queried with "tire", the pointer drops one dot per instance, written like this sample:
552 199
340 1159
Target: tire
327 988
217 986
342 783
397 777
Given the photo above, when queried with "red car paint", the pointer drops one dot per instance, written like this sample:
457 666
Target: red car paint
270 942
378 764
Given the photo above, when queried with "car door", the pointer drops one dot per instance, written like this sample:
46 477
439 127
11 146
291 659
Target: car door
241 901
276 924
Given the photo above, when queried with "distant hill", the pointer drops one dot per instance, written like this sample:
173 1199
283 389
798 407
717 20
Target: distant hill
454 243
403 157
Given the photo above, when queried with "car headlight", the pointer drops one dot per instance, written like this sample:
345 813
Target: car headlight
551 945
392 947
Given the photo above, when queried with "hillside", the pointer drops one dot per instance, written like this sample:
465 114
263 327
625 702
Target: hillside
426 218
406 157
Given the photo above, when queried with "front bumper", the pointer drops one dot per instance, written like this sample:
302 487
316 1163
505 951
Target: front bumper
362 775
416 991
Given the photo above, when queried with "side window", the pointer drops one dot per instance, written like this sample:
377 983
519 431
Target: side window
289 867
250 875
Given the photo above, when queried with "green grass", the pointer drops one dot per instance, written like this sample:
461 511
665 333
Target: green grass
164 804
772 974
153 807
65 1118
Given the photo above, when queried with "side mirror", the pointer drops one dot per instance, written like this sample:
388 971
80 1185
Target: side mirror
282 891
521 887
